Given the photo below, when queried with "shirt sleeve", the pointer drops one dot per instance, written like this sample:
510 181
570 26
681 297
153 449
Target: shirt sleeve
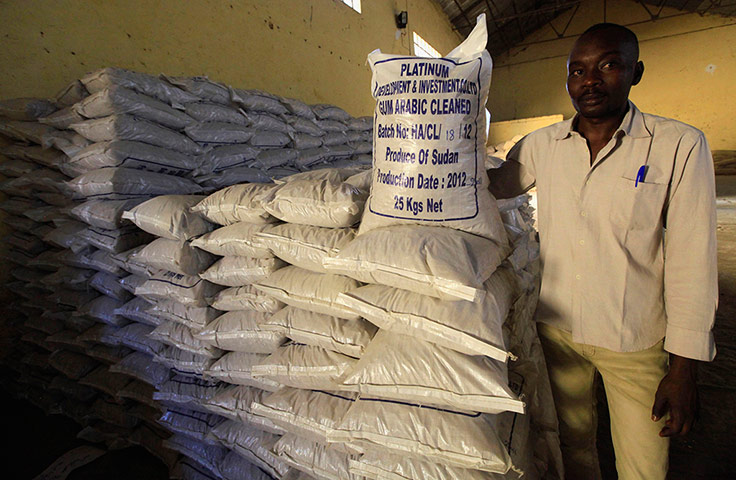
690 255
521 153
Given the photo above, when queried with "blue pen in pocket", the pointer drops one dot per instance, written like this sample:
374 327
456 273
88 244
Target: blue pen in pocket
641 174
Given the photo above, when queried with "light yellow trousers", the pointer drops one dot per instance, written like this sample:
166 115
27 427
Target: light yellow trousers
631 380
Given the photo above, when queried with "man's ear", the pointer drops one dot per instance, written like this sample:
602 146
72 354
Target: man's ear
638 72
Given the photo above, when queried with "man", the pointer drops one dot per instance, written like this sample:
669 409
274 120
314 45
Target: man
629 284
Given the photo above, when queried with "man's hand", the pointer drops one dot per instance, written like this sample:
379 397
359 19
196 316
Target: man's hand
678 395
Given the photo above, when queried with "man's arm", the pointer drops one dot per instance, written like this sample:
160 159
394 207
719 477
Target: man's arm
506 180
516 175
691 286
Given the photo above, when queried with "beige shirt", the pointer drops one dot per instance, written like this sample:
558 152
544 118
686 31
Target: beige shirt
626 263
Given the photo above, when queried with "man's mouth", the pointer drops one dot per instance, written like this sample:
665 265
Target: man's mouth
591 98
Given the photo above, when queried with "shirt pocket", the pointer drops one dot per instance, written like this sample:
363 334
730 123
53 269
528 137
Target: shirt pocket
636 207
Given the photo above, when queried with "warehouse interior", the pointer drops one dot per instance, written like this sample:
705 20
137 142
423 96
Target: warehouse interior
264 64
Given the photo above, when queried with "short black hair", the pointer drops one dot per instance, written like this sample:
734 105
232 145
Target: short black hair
629 36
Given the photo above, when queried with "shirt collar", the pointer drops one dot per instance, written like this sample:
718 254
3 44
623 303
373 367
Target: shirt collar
632 125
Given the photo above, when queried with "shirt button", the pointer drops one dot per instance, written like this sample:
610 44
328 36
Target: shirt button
582 242
583 214
578 277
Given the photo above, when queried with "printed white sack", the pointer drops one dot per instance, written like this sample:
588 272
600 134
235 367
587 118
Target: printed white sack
245 298
429 139
318 202
182 337
116 100
434 261
103 309
189 390
461 439
316 292
241 331
126 183
104 262
188 290
115 240
236 240
190 423
238 271
136 155
473 328
310 414
305 246
173 311
168 216
174 256
238 203
131 282
137 311
136 336
322 461
304 366
399 367
252 444
349 337
128 127
236 368
235 403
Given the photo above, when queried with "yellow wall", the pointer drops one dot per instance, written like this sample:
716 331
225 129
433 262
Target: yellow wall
690 68
314 50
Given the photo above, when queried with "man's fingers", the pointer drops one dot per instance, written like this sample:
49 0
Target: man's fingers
660 407
673 426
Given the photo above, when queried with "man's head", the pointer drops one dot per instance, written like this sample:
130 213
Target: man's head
601 69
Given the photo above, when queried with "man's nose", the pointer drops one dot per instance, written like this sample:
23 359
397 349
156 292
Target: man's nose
592 77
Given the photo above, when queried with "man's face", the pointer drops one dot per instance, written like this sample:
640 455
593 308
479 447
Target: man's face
601 69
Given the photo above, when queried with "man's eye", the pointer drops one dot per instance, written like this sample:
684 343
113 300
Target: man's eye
608 65
576 73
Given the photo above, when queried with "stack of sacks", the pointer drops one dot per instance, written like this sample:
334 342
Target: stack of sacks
253 136
290 342
436 399
236 330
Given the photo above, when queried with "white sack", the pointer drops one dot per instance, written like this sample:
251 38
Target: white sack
235 467
304 246
203 454
245 298
275 157
304 366
236 368
430 140
131 282
103 309
104 262
183 361
190 423
237 240
26 109
136 336
173 311
239 271
137 310
135 155
125 183
117 100
238 203
427 433
213 112
221 158
310 414
376 465
349 337
115 240
316 292
168 216
188 290
235 403
399 367
174 256
258 100
436 261
187 390
252 444
321 461
128 127
182 337
108 284
213 134
240 331
140 82
232 176
473 328
322 203
62 119
106 214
